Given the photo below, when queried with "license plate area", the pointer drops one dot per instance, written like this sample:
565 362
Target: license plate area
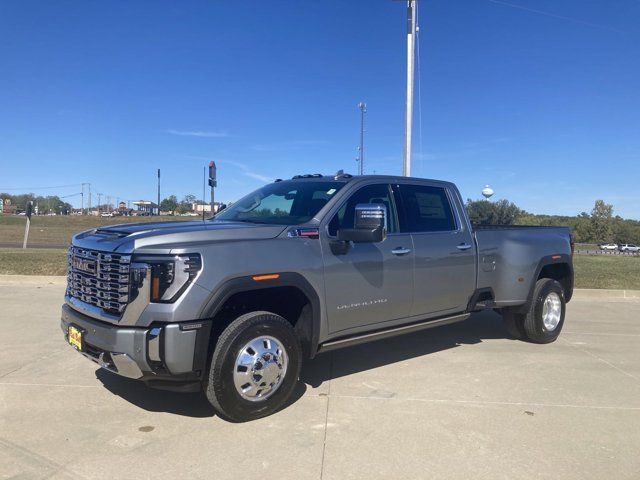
74 336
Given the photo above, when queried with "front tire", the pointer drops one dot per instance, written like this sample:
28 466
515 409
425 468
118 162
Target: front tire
254 367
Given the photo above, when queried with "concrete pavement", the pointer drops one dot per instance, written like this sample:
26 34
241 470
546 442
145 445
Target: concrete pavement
461 401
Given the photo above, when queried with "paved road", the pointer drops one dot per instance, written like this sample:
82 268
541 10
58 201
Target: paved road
458 402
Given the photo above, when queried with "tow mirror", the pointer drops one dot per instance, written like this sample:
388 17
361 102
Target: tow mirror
370 224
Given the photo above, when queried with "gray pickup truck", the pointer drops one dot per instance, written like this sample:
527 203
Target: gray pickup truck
233 304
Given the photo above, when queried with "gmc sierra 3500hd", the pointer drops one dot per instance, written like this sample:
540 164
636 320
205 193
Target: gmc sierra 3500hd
233 304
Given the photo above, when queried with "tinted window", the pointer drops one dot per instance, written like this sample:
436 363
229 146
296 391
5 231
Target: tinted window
345 216
426 209
282 203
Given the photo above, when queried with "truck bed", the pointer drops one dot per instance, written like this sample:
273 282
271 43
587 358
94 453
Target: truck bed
509 255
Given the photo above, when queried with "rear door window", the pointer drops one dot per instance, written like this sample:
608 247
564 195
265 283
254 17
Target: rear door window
425 209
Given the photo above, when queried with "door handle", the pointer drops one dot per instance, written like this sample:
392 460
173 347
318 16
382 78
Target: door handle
464 246
401 251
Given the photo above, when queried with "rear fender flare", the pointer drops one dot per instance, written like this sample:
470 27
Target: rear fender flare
549 260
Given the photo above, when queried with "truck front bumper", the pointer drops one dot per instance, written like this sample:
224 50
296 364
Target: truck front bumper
170 356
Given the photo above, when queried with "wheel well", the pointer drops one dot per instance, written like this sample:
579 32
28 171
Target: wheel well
289 302
560 272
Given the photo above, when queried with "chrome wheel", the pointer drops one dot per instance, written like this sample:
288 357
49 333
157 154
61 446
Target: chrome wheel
260 368
551 311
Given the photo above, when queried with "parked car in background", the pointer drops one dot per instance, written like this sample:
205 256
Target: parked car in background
609 246
629 247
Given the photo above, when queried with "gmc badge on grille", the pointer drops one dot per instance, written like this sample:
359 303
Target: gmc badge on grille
83 264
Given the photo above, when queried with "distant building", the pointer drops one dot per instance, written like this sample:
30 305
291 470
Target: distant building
199 208
147 207
6 206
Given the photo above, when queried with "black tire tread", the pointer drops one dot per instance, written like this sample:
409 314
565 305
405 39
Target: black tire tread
214 389
514 324
532 323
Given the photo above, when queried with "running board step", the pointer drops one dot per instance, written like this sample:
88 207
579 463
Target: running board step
390 332
484 305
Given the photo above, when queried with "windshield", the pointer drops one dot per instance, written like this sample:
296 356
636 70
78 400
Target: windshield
286 203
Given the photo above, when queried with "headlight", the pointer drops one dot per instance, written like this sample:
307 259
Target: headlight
170 274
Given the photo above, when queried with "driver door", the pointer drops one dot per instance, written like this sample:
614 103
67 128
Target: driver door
369 283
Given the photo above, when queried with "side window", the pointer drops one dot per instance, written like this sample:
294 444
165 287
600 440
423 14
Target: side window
426 209
345 215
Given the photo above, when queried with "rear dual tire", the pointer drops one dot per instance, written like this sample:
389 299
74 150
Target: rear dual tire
544 320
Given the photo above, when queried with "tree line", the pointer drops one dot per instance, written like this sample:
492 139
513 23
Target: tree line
173 205
48 204
598 226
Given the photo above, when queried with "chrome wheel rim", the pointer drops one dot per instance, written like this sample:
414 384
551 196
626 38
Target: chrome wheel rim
260 368
551 311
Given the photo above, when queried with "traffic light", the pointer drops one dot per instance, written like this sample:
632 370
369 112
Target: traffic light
212 174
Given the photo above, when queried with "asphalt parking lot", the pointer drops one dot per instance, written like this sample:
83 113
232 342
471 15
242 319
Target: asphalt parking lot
462 401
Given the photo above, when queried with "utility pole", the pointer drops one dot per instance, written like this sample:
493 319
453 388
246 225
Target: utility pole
213 183
99 195
158 191
204 176
82 199
363 109
412 6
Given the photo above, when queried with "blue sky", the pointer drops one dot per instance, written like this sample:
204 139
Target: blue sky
541 99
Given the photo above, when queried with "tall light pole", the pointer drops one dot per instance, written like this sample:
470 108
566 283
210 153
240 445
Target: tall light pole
411 42
158 191
363 109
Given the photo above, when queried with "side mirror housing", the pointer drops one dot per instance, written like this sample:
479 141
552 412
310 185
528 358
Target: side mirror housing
370 225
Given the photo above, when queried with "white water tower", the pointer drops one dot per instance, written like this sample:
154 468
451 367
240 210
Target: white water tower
487 192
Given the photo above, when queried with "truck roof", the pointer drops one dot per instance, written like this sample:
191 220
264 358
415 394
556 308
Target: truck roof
345 177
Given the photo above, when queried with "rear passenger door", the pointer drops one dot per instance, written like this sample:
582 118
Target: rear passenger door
444 252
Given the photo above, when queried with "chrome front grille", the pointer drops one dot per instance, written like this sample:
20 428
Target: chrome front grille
99 278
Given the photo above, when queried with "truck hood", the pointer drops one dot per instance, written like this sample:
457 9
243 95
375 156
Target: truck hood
127 237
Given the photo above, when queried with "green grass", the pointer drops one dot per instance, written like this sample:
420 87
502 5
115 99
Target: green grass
587 246
33 261
613 272
607 271
58 230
